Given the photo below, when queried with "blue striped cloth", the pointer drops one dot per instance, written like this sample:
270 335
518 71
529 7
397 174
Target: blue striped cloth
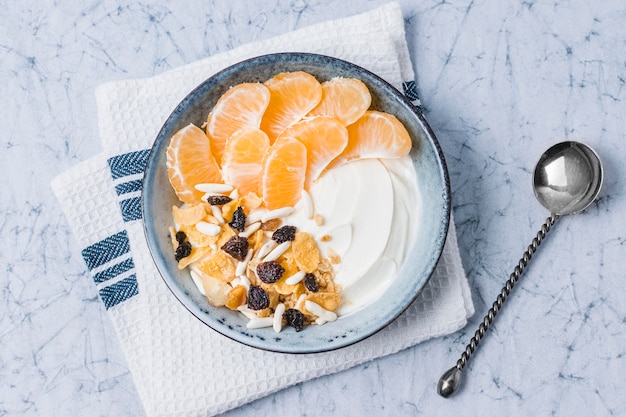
110 258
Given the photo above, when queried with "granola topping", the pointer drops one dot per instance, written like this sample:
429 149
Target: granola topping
252 260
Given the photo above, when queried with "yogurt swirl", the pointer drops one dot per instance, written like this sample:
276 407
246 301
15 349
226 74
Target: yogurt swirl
370 209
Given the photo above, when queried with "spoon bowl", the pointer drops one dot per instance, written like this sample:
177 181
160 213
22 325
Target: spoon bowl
567 179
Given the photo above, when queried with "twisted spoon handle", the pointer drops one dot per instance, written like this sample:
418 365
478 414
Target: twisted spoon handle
449 381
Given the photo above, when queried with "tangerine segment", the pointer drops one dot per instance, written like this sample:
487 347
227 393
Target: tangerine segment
242 162
293 95
345 99
241 106
375 135
189 161
324 137
284 170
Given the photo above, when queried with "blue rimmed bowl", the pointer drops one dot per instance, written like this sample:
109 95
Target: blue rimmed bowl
433 185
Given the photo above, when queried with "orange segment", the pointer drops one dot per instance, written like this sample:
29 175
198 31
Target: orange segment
324 138
293 95
284 169
345 99
242 162
241 106
190 162
375 135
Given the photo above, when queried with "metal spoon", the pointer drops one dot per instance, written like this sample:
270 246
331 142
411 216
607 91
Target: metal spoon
567 179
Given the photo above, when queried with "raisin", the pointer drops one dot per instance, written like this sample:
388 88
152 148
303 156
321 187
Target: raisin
269 272
258 299
182 251
218 200
311 283
237 247
238 221
294 318
271 225
181 237
284 234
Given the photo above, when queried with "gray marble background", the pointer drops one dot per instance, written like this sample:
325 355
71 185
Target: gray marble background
499 80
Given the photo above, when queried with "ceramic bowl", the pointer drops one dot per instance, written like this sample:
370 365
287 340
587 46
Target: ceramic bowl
158 198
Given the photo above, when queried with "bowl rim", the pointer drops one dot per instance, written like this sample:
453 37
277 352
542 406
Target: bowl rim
304 57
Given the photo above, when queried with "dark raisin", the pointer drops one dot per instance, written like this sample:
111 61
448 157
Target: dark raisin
181 237
284 234
269 272
311 283
294 318
237 247
258 299
218 200
182 251
238 221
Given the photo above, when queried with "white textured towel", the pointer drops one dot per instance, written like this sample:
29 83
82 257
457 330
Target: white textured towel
180 366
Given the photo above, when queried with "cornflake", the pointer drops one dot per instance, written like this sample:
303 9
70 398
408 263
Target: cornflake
305 252
328 300
236 297
196 237
196 254
188 215
220 266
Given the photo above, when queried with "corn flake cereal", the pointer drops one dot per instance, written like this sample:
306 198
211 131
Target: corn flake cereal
188 216
216 291
229 208
219 265
196 237
227 233
236 297
255 241
196 254
283 288
329 300
305 252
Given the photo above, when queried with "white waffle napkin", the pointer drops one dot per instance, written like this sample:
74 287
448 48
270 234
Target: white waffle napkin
181 367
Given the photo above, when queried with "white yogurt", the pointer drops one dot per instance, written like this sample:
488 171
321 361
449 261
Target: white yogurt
370 209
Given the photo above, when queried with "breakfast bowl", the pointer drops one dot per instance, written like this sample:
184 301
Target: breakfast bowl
429 211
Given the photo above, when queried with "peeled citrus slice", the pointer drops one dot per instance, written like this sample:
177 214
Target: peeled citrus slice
189 162
375 135
241 106
345 99
284 169
293 95
324 137
242 162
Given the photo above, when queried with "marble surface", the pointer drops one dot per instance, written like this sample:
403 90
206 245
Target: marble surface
499 81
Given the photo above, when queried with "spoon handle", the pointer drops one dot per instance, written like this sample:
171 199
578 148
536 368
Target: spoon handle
449 381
